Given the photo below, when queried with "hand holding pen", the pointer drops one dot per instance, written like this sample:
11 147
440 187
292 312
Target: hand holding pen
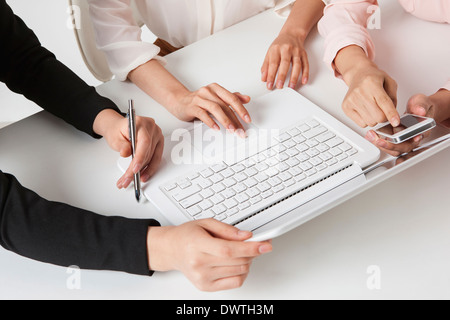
148 149
149 144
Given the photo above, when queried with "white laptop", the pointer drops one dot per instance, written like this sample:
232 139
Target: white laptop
296 161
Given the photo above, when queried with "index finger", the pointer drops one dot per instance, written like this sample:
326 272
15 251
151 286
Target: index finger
146 145
387 105
234 101
136 165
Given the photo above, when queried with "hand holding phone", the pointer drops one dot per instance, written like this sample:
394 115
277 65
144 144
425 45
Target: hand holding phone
410 126
404 138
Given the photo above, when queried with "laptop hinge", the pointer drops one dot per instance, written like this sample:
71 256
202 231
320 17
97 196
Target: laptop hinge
317 192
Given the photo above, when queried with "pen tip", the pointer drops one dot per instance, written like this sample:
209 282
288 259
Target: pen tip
138 196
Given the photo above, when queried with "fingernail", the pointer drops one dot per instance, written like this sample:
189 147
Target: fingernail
270 85
145 177
244 234
136 168
241 133
247 118
421 111
231 128
305 80
265 248
216 127
263 75
292 85
280 84
418 138
371 136
395 121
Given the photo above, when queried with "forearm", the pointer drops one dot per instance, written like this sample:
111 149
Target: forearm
158 83
303 17
59 234
61 92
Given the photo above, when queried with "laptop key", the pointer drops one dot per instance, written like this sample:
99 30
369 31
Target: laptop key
204 215
189 202
186 193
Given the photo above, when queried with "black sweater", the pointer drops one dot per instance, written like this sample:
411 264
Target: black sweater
47 231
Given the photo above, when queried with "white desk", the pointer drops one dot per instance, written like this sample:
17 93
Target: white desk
400 225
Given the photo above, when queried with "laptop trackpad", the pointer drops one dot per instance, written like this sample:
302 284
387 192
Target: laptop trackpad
278 110
216 146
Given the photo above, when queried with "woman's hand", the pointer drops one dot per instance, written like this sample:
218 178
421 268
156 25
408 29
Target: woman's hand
213 103
209 104
212 255
288 49
371 98
372 95
149 143
436 106
394 149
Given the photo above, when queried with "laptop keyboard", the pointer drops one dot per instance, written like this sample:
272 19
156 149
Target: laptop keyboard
303 154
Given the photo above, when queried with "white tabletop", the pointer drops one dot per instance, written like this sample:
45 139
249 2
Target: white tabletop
399 226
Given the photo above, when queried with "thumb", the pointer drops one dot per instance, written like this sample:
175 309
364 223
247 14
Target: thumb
224 231
419 105
124 149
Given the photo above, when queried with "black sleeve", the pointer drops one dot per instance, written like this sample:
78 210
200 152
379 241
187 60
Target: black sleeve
63 235
29 69
30 225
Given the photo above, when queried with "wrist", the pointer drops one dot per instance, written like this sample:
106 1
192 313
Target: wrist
177 100
297 33
350 61
158 250
441 100
106 120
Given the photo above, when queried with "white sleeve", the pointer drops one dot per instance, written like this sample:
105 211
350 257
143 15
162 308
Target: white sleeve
119 37
283 7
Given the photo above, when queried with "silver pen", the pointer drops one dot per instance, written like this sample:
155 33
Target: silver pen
132 126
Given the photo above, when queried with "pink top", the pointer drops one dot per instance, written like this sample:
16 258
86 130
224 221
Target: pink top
345 23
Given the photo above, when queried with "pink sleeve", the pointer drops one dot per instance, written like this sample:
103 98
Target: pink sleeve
436 11
345 23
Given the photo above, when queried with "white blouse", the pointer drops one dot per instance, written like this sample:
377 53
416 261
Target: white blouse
179 22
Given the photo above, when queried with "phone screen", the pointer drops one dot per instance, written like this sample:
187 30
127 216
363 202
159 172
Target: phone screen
405 122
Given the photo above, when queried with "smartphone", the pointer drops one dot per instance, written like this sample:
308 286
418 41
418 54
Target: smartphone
410 127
